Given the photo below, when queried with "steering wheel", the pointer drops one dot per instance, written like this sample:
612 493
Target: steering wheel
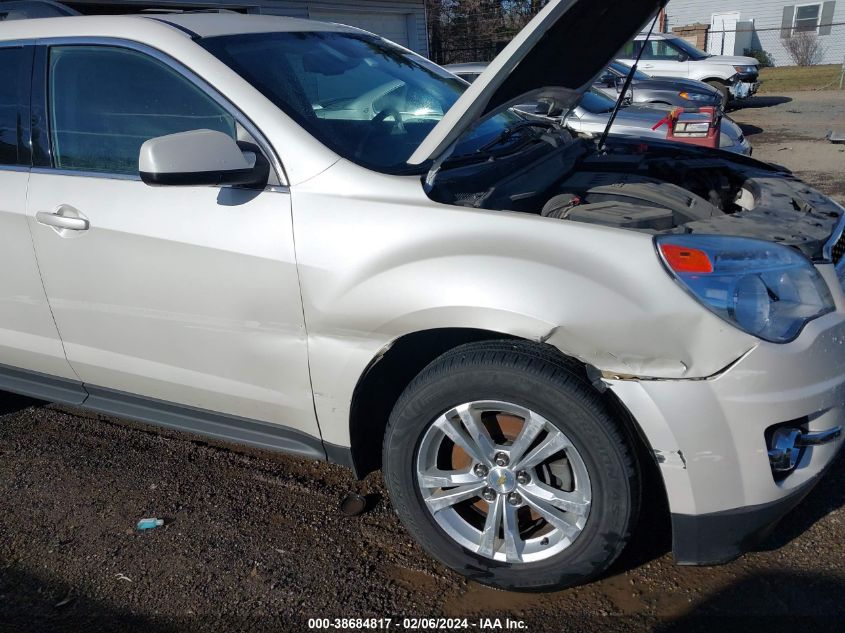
375 125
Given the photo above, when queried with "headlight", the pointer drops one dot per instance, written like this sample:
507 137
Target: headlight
697 96
745 69
768 290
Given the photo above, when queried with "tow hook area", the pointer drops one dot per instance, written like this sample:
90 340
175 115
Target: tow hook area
787 442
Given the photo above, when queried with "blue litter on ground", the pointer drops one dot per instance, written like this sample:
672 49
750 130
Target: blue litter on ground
149 524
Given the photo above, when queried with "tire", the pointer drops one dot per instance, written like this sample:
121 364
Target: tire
597 469
723 88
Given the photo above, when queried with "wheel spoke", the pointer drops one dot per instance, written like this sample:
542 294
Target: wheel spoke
455 433
554 443
448 498
435 478
477 431
513 541
457 460
487 545
554 516
573 502
530 430
579 472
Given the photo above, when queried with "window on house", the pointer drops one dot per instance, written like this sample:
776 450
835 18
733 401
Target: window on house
807 18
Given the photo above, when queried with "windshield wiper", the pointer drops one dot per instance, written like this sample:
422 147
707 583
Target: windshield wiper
509 131
626 86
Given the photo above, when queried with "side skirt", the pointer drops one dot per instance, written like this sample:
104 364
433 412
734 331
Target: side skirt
169 415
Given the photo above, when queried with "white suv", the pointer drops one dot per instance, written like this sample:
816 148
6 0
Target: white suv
299 236
667 55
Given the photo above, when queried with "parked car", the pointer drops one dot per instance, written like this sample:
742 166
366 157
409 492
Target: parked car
668 55
515 325
592 114
644 88
469 71
648 90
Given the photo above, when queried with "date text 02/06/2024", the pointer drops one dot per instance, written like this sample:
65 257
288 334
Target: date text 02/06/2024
414 624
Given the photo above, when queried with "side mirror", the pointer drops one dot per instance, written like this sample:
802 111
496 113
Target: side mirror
683 57
198 158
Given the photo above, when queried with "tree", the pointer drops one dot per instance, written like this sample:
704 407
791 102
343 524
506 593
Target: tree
475 30
804 48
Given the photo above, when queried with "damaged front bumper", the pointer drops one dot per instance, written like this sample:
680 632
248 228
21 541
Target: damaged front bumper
742 89
711 437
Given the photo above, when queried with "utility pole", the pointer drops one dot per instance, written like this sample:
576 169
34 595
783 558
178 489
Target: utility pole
842 76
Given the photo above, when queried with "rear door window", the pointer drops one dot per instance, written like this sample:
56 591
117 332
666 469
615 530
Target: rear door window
629 51
14 104
105 102
660 50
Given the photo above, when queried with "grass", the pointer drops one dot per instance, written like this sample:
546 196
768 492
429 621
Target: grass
792 78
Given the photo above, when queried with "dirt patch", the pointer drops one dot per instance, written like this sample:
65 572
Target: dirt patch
254 541
790 130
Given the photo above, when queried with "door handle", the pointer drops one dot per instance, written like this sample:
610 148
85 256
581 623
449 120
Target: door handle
61 221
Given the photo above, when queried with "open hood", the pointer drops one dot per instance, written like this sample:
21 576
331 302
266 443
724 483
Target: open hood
557 55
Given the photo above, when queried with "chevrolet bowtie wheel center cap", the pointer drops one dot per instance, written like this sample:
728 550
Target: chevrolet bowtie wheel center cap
502 480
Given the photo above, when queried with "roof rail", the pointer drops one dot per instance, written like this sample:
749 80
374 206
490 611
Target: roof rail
164 10
28 9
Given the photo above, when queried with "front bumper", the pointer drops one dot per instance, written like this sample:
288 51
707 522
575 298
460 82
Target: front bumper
709 436
743 147
742 89
720 537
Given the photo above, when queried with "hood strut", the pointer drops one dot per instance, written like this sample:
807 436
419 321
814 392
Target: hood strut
626 86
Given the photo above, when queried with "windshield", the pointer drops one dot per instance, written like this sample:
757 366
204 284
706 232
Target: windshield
623 69
363 97
689 49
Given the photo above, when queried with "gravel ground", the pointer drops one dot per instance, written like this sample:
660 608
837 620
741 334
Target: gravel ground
254 541
790 130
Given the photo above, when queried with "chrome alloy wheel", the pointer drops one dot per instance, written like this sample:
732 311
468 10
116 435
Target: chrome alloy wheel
503 481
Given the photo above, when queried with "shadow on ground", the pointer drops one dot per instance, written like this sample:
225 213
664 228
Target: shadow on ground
770 601
29 603
750 130
12 403
759 102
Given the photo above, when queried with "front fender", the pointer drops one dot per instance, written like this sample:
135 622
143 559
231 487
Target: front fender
379 260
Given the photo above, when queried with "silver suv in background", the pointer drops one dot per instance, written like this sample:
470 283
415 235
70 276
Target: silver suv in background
302 237
645 89
668 55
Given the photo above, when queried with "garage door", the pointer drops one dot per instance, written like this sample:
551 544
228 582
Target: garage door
393 26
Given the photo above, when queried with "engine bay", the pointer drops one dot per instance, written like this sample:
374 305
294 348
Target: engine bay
650 187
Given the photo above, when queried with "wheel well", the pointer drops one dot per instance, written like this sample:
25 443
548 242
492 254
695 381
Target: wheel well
724 82
653 533
385 379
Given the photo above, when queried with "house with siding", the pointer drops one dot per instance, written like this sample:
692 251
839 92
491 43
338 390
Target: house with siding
402 21
731 27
